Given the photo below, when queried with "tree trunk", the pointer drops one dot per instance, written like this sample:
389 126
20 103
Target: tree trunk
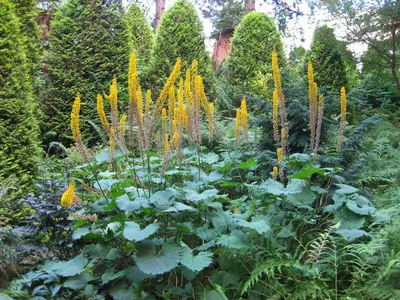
250 5
160 7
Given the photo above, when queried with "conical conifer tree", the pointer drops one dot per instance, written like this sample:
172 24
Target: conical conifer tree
18 128
180 35
89 45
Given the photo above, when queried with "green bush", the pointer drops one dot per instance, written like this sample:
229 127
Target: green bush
140 32
18 128
327 59
89 45
180 35
250 59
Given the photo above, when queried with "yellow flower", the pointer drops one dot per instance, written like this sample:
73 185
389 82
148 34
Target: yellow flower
244 119
283 135
148 101
122 123
343 104
67 197
275 172
236 210
166 144
139 104
175 140
275 114
132 76
279 154
211 117
75 119
164 120
276 73
102 114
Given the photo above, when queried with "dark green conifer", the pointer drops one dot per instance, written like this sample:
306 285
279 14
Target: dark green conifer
18 127
89 45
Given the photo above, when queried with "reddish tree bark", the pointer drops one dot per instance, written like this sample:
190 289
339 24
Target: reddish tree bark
160 7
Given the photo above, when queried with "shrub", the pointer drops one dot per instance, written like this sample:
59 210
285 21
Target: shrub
140 32
249 62
18 128
180 35
328 62
89 45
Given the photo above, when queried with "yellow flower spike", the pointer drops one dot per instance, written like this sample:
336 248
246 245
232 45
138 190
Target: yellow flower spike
102 114
75 119
279 154
164 120
171 103
238 123
67 197
113 97
148 102
244 119
194 69
175 140
343 104
283 135
235 210
276 73
166 144
133 80
173 126
211 117
122 123
275 171
310 74
275 114
188 91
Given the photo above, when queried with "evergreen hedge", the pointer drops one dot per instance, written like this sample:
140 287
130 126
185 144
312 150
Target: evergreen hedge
140 32
180 35
89 44
252 44
328 63
19 148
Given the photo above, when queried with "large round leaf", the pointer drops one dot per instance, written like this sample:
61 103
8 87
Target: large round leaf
132 231
151 262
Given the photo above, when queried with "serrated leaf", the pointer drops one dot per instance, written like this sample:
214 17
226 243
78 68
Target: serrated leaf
307 172
351 235
109 275
132 231
213 176
361 210
247 164
345 189
121 292
303 199
71 267
210 158
125 204
79 233
78 282
236 240
261 226
105 184
135 275
150 262
193 195
197 262
224 278
349 220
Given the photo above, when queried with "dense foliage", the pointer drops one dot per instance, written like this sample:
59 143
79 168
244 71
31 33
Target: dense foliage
250 59
89 44
180 35
19 147
140 32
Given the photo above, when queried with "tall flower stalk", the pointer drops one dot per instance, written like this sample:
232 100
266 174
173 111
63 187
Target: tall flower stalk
343 111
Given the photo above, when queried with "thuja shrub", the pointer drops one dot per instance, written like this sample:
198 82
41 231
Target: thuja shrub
325 54
89 44
250 59
140 32
18 127
180 35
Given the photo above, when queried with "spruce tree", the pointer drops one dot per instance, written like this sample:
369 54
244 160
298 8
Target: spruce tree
88 46
328 62
140 32
19 148
179 35
252 44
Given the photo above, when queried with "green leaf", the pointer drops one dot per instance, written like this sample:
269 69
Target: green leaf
149 261
361 210
105 184
345 189
78 282
124 204
71 267
132 231
351 235
110 275
79 233
224 278
276 188
192 195
236 240
247 164
261 226
197 262
121 292
213 176
135 275
307 172
349 220
303 199
210 158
